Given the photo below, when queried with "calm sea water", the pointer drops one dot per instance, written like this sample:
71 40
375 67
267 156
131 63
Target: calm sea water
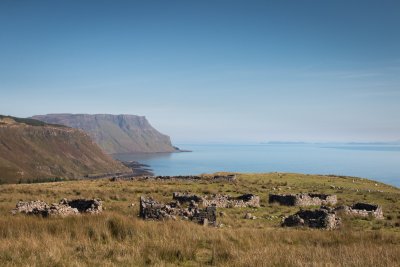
377 162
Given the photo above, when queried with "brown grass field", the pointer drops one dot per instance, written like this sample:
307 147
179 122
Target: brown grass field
119 238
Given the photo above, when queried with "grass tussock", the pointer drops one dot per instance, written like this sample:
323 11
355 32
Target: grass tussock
112 239
119 238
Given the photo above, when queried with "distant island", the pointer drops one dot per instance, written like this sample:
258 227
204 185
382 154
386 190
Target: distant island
335 143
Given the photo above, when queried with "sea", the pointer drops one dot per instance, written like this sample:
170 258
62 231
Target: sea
380 162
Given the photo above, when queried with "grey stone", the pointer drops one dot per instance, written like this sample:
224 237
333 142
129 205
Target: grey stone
320 218
309 199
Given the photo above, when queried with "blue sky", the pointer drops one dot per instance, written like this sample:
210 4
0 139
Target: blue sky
209 71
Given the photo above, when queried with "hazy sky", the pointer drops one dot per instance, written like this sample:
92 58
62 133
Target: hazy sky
205 71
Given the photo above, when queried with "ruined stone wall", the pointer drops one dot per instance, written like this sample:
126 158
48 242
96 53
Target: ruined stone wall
153 210
93 206
186 197
226 178
320 218
226 201
363 210
63 208
206 216
220 201
303 199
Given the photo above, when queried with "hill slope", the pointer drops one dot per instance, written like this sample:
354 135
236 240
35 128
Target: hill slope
119 237
31 150
116 133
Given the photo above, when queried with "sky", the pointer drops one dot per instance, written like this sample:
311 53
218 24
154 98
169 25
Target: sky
209 71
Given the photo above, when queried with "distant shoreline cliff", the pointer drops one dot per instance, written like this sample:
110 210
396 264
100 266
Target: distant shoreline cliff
116 133
31 150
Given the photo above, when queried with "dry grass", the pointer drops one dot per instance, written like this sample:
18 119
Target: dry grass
119 238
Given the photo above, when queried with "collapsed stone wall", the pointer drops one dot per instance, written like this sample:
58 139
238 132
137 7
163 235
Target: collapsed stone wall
323 218
303 200
218 200
153 210
363 210
63 208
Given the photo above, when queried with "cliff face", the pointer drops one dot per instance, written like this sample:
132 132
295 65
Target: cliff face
32 150
115 133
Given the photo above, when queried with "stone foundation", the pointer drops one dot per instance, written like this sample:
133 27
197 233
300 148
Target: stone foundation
153 210
321 218
363 210
63 209
92 206
218 200
303 199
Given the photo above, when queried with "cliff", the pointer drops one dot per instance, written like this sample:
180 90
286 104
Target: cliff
116 133
32 150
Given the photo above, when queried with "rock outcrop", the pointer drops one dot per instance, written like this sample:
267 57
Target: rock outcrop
64 208
115 133
303 199
323 218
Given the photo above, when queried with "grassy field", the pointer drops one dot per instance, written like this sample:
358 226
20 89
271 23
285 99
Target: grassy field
119 237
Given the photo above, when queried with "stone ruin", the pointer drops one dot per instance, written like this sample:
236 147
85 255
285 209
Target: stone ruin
303 200
64 208
153 210
323 218
220 201
363 210
91 206
327 217
227 178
